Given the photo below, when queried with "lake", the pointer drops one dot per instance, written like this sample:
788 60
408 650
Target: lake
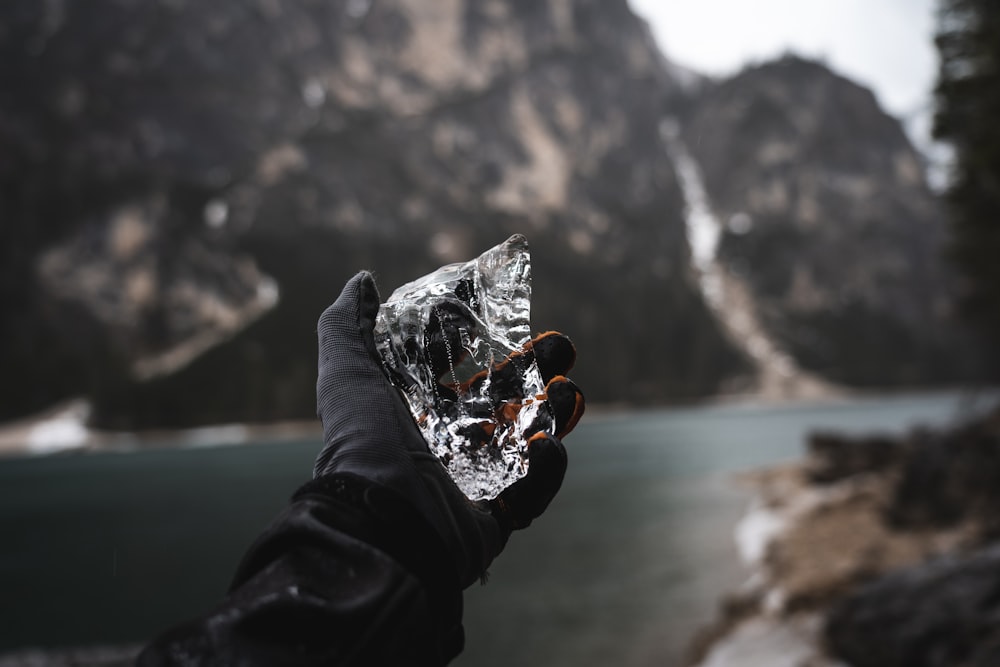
630 559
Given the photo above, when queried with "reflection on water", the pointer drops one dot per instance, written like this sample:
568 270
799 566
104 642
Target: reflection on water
628 561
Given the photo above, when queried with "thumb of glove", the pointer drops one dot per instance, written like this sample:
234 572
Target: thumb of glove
367 430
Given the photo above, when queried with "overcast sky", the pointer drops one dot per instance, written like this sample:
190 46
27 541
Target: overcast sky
886 45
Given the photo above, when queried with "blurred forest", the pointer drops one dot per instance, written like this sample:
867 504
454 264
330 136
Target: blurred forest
968 106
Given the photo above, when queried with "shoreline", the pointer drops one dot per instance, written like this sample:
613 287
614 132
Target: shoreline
62 428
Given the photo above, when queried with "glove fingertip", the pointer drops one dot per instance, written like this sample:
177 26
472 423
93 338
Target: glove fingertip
356 300
567 403
368 299
546 456
555 354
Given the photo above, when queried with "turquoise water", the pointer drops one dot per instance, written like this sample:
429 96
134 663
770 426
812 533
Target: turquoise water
627 562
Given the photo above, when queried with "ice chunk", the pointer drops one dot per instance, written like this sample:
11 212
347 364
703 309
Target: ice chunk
453 343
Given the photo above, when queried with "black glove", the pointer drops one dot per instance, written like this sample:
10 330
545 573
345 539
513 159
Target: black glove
369 433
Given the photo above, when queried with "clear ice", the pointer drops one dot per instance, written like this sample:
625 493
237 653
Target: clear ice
453 343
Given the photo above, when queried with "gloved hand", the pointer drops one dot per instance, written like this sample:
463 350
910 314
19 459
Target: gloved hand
368 432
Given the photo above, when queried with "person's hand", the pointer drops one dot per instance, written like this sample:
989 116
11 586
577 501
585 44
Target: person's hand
555 354
369 433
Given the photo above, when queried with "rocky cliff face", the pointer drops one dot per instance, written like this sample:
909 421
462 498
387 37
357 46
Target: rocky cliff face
185 186
170 166
829 222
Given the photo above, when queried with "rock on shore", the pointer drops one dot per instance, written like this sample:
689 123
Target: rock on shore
874 552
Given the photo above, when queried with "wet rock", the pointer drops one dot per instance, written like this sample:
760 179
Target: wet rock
949 477
833 457
944 613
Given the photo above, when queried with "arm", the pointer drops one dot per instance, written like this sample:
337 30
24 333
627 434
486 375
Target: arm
368 562
347 574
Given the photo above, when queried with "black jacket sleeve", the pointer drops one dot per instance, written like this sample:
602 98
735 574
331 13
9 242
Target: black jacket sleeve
348 574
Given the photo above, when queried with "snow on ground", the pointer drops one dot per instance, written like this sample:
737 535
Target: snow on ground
61 428
778 376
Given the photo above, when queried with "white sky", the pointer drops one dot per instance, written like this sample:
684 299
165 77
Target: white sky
886 45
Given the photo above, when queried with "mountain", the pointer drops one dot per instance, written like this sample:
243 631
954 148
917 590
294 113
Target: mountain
185 186
828 221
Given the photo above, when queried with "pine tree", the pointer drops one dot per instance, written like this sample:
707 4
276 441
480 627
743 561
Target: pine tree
968 117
